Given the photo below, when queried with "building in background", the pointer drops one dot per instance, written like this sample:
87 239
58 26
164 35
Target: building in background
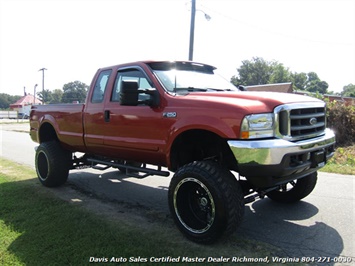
24 104
278 87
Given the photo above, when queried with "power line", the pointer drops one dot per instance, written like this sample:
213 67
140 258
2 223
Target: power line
270 31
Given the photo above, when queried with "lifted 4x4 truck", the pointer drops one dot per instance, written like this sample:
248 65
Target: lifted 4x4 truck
226 147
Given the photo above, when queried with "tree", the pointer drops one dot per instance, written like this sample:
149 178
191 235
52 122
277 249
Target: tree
254 72
4 101
259 71
349 90
317 86
46 96
314 84
57 95
312 76
74 91
279 73
7 99
299 80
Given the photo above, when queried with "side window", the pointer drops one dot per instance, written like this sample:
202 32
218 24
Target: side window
100 86
132 74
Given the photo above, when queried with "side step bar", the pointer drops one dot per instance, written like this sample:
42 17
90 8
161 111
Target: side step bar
144 169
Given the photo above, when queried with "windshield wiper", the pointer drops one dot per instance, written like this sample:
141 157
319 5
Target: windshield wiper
189 89
193 89
216 89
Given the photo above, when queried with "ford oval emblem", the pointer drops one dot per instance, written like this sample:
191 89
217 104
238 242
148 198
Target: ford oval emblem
313 121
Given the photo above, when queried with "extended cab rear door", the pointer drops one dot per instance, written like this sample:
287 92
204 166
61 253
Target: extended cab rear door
94 109
129 129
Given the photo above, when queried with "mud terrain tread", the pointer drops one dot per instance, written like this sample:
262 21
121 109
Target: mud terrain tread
227 193
58 161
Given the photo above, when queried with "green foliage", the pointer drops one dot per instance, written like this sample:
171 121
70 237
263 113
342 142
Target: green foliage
74 91
51 97
6 100
317 86
255 72
57 96
343 161
341 118
299 80
349 90
45 96
259 71
279 73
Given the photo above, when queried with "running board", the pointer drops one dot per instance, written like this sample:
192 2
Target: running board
145 170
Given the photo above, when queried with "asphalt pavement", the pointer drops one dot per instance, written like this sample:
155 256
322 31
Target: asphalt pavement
320 226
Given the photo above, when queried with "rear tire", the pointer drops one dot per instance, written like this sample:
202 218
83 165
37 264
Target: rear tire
52 164
295 190
205 201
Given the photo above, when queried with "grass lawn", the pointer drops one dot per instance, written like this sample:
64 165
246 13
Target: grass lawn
38 228
343 161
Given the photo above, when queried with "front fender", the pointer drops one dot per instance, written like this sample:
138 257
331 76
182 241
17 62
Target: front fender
219 127
222 128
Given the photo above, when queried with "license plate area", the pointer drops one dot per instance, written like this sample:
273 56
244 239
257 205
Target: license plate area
318 158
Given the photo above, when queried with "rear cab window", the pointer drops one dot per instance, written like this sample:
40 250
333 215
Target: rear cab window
100 86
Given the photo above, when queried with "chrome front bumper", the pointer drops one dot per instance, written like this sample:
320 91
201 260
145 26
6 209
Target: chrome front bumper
272 151
280 159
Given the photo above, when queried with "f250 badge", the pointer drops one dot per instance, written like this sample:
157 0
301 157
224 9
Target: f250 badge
170 114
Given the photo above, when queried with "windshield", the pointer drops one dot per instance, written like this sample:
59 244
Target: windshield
186 77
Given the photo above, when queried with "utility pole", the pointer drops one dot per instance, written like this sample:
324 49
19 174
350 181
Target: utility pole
192 29
34 94
42 69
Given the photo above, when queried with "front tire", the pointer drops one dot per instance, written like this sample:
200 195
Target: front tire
295 190
205 201
52 164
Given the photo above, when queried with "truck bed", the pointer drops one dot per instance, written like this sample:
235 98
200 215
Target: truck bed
65 118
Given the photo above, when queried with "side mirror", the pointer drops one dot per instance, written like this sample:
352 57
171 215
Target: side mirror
129 92
153 99
131 95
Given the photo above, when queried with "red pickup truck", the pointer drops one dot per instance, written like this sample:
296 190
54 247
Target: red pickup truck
226 147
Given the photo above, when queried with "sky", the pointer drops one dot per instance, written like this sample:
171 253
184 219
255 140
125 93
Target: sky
73 38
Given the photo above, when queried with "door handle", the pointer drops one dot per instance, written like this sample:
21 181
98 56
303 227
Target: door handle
107 115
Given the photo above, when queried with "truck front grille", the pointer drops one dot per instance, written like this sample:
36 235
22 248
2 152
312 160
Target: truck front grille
301 121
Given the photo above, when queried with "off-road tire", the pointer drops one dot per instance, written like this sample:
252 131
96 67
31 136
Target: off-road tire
52 164
296 190
206 201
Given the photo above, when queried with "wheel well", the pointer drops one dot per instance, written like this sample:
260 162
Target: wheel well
197 145
47 133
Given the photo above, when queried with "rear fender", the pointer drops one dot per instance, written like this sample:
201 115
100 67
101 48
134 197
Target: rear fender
48 129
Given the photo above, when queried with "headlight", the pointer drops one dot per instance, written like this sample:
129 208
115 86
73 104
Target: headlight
257 126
